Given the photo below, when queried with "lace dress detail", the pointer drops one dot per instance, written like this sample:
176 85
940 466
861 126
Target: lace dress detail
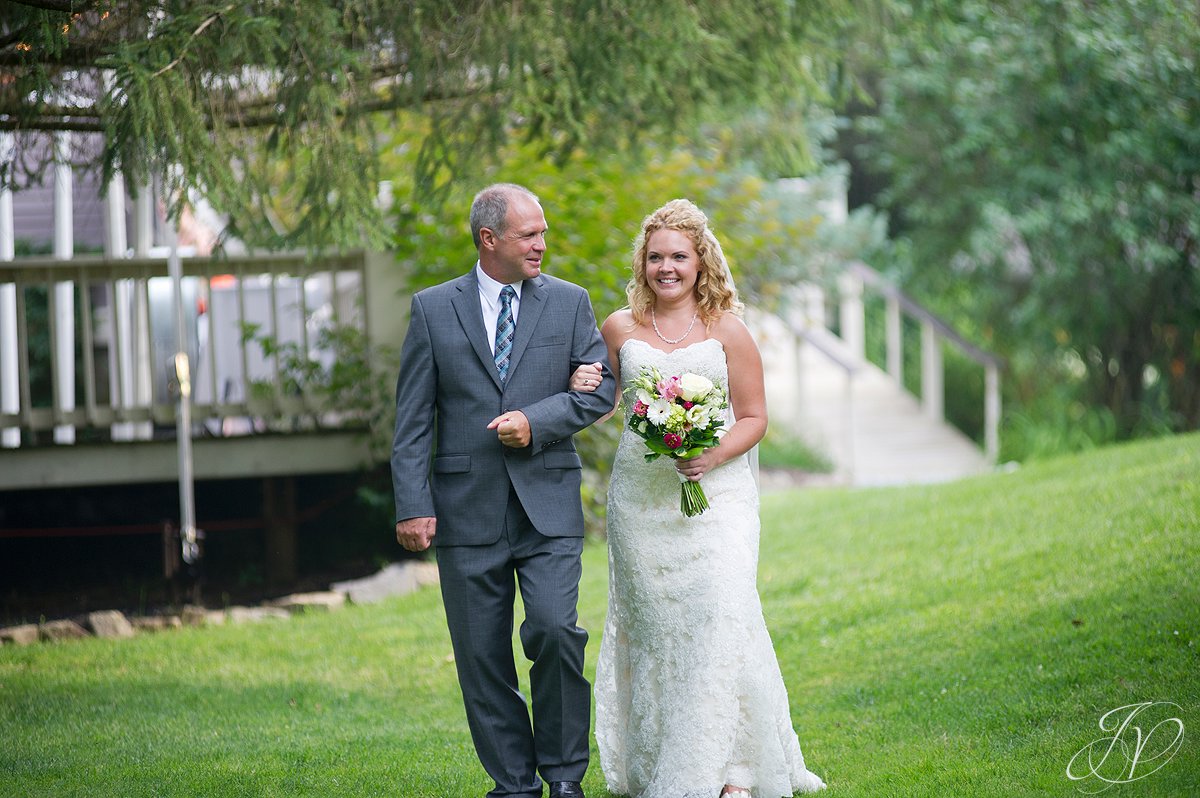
689 695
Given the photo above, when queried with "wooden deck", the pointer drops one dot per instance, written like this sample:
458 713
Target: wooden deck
120 359
134 462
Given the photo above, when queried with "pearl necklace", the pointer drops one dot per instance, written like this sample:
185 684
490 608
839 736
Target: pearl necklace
665 339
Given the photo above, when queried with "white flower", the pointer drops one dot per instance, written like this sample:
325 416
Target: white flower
698 416
644 396
658 412
693 387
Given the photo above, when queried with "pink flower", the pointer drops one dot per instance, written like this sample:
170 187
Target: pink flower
669 388
688 405
672 440
640 408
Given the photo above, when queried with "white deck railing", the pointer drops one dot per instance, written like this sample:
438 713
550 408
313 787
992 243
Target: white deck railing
117 360
852 284
934 333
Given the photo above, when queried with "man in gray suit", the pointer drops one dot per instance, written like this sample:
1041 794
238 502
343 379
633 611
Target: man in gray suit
483 397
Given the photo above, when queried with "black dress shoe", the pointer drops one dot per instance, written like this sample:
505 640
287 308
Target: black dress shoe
566 789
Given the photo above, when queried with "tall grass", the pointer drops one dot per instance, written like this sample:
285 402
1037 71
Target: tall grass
957 640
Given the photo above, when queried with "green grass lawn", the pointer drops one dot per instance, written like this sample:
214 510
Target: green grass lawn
959 640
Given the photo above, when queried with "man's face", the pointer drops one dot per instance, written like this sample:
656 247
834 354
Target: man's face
516 255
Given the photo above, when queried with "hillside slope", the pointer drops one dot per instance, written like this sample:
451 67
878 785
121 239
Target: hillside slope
965 639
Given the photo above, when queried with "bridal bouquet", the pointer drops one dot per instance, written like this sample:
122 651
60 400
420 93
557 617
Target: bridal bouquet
679 417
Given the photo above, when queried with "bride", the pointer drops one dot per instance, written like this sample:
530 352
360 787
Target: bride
690 702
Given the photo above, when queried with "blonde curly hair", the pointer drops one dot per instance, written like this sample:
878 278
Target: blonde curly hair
715 292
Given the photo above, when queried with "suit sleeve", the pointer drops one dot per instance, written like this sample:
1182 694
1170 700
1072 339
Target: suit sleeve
412 443
563 414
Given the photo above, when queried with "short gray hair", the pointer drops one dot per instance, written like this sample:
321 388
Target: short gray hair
490 208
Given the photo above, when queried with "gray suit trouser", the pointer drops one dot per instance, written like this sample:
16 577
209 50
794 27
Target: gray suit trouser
479 590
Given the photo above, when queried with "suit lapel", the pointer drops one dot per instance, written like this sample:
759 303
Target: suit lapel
533 302
470 316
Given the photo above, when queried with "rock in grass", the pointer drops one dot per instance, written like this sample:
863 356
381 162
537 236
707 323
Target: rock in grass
394 580
255 614
22 635
109 624
61 630
322 601
193 615
148 623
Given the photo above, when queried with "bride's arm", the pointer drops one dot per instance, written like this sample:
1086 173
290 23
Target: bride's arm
616 329
747 397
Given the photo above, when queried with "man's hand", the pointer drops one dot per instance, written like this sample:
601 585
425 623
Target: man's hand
512 428
415 534
587 377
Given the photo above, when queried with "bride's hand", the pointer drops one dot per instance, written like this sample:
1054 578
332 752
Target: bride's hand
696 467
587 377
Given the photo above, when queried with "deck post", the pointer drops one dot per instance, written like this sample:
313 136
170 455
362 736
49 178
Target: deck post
10 401
62 300
850 314
279 514
895 340
932 377
991 413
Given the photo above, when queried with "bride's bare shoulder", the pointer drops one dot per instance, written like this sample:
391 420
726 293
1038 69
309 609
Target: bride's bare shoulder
617 328
731 330
735 336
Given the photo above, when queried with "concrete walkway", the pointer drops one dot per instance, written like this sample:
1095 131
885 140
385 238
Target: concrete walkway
874 431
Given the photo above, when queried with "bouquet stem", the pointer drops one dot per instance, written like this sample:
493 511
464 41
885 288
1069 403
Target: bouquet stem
692 500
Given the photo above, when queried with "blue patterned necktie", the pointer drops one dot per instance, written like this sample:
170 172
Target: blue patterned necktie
506 328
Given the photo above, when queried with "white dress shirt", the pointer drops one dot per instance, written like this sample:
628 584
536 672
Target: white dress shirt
489 301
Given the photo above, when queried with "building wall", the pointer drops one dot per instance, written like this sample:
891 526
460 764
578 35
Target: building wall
33 198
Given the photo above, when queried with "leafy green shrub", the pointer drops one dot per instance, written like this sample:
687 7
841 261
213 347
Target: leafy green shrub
356 385
1053 427
784 450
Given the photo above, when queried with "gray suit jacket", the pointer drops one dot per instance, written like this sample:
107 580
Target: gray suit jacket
445 462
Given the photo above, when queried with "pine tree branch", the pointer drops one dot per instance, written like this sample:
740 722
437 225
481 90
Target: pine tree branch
200 29
13 38
91 38
82 57
11 109
248 117
282 85
51 125
66 6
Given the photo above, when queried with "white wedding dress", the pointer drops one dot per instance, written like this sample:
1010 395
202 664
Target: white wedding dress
689 695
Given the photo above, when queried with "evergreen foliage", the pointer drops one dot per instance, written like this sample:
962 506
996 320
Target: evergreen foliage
274 111
1044 160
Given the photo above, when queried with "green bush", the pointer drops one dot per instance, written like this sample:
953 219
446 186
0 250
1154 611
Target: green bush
786 451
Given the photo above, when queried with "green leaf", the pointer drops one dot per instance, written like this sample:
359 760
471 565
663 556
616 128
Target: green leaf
658 446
